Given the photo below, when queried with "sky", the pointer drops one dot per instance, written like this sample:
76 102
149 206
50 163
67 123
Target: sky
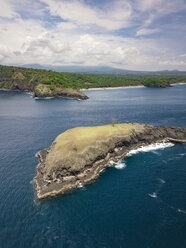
126 34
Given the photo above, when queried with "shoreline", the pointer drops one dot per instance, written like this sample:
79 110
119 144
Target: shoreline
123 87
92 89
97 168
177 83
31 93
115 148
114 88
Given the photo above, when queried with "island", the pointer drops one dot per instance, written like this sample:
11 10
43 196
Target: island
47 83
78 155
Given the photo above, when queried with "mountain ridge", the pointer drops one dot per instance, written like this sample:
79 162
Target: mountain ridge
106 70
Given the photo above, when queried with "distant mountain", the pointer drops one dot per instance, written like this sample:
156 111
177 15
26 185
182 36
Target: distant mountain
106 70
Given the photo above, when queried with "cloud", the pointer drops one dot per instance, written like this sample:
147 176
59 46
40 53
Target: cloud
173 63
147 31
154 10
160 6
67 26
36 44
78 12
116 33
183 55
7 10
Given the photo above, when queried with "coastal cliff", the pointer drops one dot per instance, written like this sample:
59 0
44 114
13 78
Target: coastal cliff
43 91
41 83
77 156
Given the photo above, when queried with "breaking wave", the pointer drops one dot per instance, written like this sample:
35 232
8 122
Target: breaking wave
181 211
153 195
80 185
120 165
40 98
161 180
29 93
148 148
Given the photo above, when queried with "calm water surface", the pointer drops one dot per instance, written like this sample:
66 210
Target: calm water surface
141 205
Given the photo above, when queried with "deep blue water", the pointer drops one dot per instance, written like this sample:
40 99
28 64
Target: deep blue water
116 210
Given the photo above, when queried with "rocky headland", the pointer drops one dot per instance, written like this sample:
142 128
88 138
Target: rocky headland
43 91
77 156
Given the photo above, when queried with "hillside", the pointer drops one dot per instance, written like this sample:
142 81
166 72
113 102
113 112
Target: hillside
44 83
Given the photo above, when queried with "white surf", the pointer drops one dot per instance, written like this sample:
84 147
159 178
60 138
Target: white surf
152 147
120 165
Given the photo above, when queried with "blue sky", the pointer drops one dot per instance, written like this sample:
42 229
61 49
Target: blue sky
127 34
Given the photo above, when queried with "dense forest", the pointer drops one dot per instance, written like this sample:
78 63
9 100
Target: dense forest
27 79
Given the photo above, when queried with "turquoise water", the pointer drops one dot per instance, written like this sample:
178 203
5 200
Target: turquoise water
141 205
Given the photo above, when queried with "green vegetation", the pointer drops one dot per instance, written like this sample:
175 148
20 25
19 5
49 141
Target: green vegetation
5 85
28 79
43 90
157 82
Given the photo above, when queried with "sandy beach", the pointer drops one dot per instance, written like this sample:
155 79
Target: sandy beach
178 83
115 88
123 87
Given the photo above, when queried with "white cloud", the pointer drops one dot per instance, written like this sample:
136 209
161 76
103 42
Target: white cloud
36 44
156 9
86 35
183 55
27 42
160 6
66 26
78 12
147 31
7 10
172 63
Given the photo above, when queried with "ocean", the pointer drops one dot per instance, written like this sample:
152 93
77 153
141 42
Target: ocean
138 203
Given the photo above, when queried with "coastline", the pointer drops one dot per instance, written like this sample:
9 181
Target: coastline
177 83
89 89
91 174
77 97
124 87
63 179
114 88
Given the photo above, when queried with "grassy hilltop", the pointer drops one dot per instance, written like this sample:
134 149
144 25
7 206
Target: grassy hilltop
77 139
46 82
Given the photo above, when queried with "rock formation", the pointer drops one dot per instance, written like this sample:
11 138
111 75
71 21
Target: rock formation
77 156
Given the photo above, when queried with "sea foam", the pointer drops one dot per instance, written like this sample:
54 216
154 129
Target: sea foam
148 148
80 185
153 195
120 165
181 211
161 180
45 98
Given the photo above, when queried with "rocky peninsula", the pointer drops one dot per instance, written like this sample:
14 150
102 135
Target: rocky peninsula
77 156
43 91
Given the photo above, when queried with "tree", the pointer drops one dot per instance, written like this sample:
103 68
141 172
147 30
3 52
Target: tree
114 121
